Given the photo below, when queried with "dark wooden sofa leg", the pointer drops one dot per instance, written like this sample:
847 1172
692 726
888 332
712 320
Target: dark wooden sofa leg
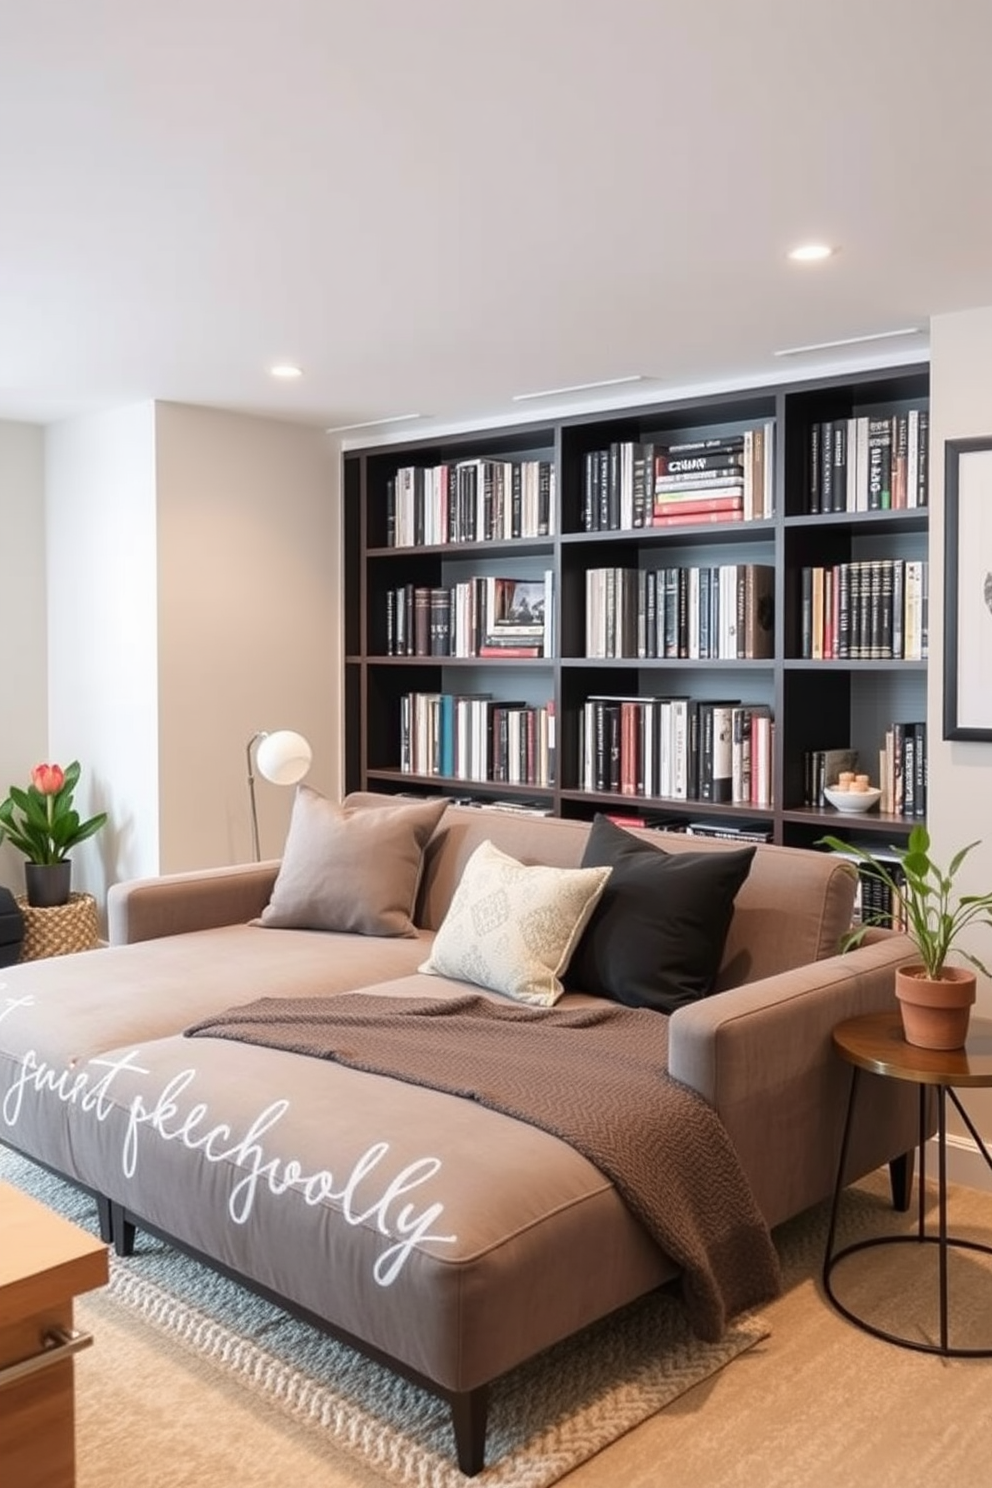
901 1180
469 1413
104 1220
122 1230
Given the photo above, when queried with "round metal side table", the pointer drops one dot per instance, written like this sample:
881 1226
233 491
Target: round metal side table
875 1042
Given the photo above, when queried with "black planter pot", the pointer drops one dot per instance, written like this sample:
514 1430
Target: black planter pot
48 884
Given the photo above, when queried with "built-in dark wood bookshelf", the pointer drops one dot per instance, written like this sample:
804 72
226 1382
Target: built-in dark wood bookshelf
547 479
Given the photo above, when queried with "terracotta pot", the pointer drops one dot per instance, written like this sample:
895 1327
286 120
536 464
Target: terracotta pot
48 884
935 1014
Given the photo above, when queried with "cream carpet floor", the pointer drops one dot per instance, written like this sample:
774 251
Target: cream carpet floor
817 1402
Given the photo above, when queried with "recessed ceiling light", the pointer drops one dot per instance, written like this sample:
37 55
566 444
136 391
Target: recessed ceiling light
286 370
811 253
851 341
579 387
396 418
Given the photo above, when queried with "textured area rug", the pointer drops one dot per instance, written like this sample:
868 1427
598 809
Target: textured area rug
545 1417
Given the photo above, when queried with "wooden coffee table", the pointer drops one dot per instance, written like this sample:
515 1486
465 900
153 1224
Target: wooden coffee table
875 1043
44 1263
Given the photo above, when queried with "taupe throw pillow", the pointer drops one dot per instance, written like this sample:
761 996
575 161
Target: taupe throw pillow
355 870
512 927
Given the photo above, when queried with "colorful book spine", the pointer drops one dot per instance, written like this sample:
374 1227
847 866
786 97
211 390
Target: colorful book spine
696 518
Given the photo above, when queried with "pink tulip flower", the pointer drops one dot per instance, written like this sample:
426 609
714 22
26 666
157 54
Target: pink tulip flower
48 779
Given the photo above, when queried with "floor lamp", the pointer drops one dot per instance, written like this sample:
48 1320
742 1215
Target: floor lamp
284 758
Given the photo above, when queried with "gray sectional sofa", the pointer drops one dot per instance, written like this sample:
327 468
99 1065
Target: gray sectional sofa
437 1232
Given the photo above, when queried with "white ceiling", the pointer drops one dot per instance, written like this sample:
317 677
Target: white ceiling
432 205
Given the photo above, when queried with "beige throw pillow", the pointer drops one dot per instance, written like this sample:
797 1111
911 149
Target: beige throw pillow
512 928
355 870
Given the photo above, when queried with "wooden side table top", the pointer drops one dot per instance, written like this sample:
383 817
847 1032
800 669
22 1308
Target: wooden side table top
44 1262
876 1042
43 1257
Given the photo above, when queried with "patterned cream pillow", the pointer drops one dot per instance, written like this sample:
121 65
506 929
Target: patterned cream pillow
512 928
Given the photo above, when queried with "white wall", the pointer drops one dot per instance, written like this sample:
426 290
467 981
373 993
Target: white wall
249 633
23 619
102 684
193 599
959 798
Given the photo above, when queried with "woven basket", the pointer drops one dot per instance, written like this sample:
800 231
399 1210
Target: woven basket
61 930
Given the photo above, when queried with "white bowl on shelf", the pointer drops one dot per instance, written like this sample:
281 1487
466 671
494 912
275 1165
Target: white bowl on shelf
852 801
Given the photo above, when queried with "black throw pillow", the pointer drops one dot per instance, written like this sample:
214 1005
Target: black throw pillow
656 937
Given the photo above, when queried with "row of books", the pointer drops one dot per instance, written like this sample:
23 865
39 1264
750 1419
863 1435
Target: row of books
482 616
822 768
863 463
636 483
744 831
713 612
869 463
677 747
874 902
753 830
741 830
516 805
473 737
481 500
872 610
902 771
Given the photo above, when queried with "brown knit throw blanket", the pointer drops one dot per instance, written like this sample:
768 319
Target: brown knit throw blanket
595 1076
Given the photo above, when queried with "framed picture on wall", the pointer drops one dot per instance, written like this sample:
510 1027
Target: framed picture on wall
968 589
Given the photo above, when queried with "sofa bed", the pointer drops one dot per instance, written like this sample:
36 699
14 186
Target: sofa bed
260 1068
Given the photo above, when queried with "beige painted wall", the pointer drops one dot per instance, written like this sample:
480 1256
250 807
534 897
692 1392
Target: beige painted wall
23 618
192 574
248 629
960 775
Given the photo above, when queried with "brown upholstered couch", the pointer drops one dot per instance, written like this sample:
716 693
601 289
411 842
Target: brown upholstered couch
216 1144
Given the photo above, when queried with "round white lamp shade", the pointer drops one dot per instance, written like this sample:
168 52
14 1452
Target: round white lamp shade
283 757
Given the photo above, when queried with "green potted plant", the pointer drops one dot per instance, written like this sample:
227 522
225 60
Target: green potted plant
42 824
935 998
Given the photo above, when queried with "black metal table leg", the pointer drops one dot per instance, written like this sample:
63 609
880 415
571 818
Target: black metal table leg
839 1183
942 1210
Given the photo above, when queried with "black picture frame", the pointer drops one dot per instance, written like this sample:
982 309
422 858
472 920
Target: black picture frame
968 589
